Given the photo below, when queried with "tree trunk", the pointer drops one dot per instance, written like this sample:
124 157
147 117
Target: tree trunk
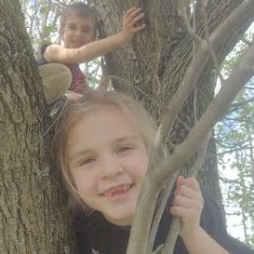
152 66
32 216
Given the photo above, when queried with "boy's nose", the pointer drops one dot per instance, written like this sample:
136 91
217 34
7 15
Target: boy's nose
78 33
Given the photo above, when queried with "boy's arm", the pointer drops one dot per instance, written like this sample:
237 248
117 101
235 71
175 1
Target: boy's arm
188 204
60 54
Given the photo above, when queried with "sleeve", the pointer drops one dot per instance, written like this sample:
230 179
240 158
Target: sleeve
42 60
213 223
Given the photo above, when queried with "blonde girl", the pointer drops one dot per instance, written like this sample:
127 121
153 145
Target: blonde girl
102 146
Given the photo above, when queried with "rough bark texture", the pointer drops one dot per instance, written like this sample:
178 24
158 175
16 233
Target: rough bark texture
32 216
153 65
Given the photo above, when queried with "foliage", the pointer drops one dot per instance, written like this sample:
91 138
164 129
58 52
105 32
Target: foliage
234 135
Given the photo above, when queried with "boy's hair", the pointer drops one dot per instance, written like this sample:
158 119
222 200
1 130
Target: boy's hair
77 110
80 9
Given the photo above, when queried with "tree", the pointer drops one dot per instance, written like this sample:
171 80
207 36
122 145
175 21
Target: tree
156 61
163 59
153 66
31 210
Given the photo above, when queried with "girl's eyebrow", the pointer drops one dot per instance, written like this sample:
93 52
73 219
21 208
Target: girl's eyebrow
126 138
80 153
115 142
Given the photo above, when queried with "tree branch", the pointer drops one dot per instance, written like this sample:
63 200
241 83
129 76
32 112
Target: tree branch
216 64
160 171
198 63
176 222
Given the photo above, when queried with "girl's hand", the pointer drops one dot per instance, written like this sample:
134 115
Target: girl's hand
132 23
188 204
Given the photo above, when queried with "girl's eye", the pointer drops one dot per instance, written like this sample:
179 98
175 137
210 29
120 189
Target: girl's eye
124 149
87 161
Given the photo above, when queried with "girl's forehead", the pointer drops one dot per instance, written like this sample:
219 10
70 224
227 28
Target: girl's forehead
102 127
105 114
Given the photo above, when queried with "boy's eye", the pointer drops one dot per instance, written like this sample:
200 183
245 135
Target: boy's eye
72 27
86 31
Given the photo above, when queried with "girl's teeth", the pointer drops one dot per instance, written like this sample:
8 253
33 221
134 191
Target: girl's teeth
124 188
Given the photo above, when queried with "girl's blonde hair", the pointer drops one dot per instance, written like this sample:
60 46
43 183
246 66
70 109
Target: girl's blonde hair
74 112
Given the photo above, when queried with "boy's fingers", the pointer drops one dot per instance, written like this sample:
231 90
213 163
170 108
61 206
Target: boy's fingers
139 28
129 13
134 13
138 18
130 10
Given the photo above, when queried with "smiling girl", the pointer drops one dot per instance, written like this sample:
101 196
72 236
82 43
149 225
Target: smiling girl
102 146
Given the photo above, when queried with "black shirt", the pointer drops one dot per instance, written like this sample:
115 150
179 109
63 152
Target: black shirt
95 235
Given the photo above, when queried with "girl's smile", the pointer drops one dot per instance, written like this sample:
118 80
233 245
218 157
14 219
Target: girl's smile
107 160
117 192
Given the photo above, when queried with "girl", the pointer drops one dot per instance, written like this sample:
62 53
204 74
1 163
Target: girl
78 26
101 147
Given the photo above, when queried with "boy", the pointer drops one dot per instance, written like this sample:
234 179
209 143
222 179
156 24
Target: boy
78 25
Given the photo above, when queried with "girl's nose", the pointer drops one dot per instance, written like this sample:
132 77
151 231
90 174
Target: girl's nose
111 167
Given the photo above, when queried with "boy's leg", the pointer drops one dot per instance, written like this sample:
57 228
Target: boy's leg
56 79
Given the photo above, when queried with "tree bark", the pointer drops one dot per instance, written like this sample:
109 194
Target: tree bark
32 216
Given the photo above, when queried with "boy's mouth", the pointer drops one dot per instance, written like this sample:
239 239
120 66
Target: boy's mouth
118 190
77 44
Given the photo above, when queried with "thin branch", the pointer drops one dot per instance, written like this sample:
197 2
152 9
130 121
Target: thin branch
238 78
216 64
153 100
239 105
176 222
181 8
234 150
160 209
241 38
198 64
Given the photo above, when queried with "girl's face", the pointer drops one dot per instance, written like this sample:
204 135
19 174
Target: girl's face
78 31
108 161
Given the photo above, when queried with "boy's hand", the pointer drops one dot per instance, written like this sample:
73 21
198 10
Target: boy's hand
72 96
132 23
188 204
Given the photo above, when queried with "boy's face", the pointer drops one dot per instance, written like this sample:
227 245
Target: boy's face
108 161
77 31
